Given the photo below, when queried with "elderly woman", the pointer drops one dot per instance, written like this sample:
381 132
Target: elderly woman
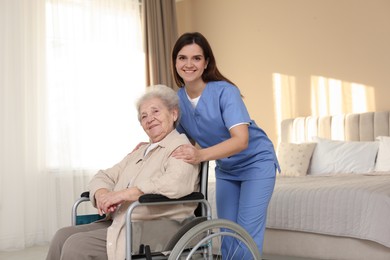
149 169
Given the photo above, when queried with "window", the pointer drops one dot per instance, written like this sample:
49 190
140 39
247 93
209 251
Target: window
95 72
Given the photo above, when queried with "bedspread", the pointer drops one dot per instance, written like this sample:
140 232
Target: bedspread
350 205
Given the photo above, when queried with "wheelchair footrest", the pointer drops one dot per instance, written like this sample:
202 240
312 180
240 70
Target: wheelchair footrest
145 253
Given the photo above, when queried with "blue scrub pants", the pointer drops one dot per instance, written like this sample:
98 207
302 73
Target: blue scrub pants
245 202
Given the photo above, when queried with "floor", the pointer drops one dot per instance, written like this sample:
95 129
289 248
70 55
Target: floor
39 253
32 253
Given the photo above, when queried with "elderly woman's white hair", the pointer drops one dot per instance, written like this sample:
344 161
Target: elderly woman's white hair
167 95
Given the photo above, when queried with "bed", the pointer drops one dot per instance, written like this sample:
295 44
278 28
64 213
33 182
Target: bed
332 199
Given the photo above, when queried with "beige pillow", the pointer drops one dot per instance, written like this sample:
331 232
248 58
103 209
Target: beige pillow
294 159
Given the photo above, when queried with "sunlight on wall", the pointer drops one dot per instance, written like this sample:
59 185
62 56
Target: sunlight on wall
285 98
325 92
328 97
332 96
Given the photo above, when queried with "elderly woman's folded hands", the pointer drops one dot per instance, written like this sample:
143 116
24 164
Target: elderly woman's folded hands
107 201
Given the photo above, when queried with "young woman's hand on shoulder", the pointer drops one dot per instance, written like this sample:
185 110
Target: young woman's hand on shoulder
188 153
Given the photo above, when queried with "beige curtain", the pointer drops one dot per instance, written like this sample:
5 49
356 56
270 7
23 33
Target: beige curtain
160 34
66 108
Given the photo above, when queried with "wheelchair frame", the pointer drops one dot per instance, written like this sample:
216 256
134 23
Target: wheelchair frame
199 228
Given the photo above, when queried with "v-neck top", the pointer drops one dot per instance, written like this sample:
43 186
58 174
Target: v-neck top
219 108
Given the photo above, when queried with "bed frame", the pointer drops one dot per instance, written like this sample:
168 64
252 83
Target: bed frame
348 127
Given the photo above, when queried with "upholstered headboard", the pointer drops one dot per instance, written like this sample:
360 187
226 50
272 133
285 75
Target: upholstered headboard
347 127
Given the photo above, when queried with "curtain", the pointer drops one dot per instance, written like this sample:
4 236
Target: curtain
160 35
70 72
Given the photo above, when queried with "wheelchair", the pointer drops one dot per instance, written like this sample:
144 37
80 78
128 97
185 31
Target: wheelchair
200 238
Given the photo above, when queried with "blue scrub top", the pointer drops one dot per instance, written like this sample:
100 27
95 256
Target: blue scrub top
219 108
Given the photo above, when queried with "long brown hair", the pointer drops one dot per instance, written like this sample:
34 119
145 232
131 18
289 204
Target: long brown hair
211 73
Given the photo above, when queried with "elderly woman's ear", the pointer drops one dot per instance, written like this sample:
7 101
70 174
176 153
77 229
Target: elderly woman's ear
175 114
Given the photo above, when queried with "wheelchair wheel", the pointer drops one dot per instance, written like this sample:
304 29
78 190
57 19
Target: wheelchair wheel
173 241
204 242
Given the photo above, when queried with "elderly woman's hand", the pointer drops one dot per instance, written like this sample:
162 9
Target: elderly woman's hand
188 153
108 201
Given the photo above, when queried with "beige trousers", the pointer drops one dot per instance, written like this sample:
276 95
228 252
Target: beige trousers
88 241
80 242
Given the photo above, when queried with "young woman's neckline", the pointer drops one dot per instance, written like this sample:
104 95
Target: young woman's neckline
195 90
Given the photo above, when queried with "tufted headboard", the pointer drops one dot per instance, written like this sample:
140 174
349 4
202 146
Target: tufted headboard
347 127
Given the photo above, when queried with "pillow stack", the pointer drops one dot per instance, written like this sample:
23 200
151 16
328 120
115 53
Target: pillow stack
326 157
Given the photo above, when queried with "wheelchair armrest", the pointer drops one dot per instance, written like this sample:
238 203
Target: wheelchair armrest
144 199
157 197
85 194
83 198
147 198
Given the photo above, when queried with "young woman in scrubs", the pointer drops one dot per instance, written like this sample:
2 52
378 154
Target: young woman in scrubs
215 117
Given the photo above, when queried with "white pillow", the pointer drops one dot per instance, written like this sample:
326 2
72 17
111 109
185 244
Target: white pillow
383 159
343 157
294 159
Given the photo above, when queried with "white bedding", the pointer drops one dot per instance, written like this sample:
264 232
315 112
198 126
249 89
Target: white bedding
351 205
